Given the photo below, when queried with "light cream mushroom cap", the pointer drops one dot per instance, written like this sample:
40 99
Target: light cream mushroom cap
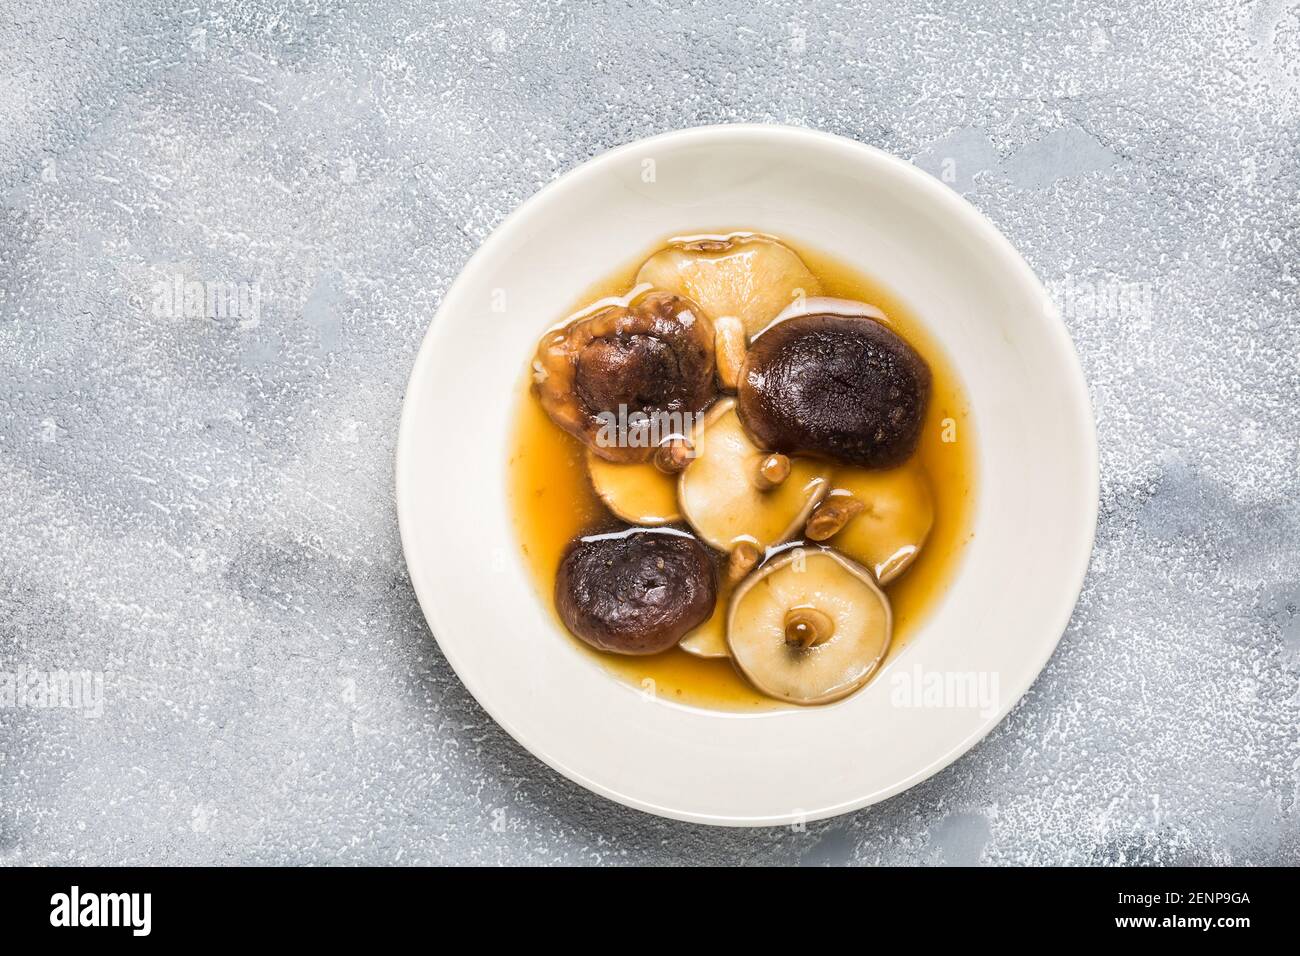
637 492
719 495
746 275
767 603
889 533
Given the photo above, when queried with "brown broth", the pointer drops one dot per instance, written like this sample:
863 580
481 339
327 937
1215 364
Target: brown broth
552 501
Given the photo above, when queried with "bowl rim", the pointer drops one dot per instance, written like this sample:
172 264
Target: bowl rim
952 203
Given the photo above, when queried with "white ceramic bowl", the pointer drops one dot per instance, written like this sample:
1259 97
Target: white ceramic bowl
1037 479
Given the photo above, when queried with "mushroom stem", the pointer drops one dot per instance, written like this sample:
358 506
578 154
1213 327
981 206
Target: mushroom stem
830 517
742 560
772 471
673 456
729 350
807 627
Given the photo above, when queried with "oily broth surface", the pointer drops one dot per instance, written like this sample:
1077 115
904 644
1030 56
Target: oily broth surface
552 501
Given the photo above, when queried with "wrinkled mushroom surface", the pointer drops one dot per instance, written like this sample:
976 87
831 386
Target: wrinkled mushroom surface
844 387
626 378
637 591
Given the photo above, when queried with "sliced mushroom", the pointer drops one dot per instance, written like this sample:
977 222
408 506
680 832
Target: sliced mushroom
637 591
845 387
809 627
627 377
745 275
672 457
830 517
773 470
725 496
710 638
729 344
638 492
888 533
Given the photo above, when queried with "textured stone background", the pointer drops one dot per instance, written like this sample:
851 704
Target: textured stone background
202 507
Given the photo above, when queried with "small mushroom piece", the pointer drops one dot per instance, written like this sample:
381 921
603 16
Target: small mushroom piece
830 517
638 492
637 591
719 491
896 518
844 387
773 469
729 344
672 457
809 627
627 377
743 559
749 276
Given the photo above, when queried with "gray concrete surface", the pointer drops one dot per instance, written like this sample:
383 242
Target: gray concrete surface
197 508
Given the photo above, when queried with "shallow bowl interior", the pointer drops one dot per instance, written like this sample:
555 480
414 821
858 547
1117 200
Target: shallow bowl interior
1034 517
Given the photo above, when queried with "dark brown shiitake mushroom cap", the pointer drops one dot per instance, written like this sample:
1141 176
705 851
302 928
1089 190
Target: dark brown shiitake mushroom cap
653 357
844 387
637 591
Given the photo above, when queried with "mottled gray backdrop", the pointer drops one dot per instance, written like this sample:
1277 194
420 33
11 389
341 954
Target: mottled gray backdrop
196 503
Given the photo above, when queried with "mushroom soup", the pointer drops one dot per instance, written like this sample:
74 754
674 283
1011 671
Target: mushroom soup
742 473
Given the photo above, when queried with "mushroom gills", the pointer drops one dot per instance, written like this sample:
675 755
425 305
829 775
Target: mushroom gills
638 492
888 534
809 627
726 494
749 276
